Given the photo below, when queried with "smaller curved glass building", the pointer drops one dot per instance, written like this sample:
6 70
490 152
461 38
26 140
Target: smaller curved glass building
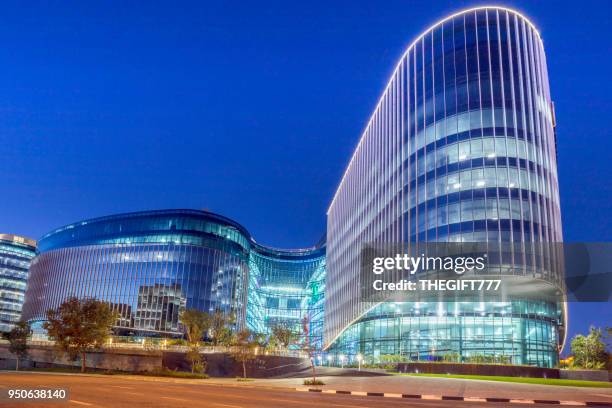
151 265
147 265
286 288
16 253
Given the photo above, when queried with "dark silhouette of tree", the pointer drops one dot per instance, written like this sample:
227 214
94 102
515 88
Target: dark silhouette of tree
18 341
80 325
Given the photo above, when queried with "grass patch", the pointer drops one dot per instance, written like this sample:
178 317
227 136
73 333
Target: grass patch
154 373
54 370
313 382
524 380
173 374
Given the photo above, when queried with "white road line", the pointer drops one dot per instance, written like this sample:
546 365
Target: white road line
360 393
392 395
81 403
474 399
572 403
431 397
140 394
176 399
521 401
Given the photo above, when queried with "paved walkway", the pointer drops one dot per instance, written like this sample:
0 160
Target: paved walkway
443 386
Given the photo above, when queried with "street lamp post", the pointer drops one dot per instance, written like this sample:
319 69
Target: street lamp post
359 358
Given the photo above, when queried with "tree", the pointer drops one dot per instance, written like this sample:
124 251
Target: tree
195 323
198 364
244 348
220 328
589 351
283 335
18 337
80 325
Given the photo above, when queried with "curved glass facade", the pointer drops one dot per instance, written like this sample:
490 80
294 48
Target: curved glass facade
16 254
286 286
460 148
147 265
151 265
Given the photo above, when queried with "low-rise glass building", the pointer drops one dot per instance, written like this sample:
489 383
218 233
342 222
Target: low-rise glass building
16 253
151 265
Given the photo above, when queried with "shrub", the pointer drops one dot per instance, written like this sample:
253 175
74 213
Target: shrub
313 382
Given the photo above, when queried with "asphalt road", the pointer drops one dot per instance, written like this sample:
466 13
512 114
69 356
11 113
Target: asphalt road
112 392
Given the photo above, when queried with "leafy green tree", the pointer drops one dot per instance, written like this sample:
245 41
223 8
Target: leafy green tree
198 364
80 325
196 323
283 336
589 351
220 328
18 341
244 348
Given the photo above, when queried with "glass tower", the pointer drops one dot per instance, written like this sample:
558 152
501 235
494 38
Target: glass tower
15 255
460 148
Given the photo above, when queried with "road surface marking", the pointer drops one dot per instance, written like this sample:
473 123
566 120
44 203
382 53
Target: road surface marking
431 397
360 393
572 403
81 403
474 399
176 399
392 395
140 394
521 401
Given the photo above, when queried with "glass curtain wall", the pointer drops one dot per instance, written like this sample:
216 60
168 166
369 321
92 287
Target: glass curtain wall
16 253
460 148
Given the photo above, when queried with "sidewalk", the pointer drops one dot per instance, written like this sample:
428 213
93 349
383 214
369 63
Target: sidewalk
450 387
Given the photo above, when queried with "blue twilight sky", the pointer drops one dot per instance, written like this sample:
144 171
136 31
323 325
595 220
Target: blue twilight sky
250 109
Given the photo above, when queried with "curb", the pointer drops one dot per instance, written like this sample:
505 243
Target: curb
457 398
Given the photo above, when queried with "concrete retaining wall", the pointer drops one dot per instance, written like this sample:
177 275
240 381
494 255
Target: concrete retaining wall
219 364
120 360
588 375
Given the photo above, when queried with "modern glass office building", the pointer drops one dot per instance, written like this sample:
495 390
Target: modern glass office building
16 254
151 265
460 148
286 288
